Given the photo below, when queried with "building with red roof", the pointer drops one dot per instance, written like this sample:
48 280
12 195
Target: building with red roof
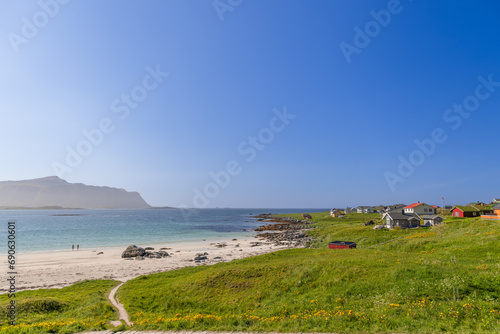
420 209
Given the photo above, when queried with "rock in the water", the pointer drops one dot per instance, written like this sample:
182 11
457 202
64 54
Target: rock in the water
133 251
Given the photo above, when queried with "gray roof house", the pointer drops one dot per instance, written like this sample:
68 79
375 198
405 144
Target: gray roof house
351 210
393 219
395 208
432 220
365 209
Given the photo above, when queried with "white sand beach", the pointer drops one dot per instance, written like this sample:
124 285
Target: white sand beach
60 269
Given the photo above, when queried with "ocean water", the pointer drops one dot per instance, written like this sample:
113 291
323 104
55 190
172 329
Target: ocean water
55 230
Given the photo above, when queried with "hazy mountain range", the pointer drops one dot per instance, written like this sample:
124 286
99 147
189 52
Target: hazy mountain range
53 191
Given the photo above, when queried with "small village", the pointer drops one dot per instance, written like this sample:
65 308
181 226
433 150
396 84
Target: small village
421 214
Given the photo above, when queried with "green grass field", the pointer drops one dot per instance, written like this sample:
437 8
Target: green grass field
427 280
82 306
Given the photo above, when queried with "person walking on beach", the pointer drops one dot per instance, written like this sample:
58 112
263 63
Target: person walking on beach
72 247
77 247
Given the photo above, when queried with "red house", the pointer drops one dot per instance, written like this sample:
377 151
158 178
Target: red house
471 210
341 244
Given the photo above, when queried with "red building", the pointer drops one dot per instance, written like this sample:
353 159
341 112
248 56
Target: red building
471 210
341 244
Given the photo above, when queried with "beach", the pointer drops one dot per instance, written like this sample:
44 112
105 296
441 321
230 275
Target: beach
54 269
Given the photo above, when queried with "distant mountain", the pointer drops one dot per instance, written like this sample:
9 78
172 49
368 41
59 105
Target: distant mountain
55 192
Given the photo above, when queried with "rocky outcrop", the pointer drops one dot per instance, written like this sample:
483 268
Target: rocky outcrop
140 253
283 231
133 251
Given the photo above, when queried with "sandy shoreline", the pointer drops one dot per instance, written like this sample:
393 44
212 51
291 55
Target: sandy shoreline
60 269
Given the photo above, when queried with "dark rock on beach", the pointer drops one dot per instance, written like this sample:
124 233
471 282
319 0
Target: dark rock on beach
133 251
140 253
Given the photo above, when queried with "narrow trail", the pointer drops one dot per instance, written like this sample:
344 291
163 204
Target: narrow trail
122 313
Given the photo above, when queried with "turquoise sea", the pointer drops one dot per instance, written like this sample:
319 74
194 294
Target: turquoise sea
53 230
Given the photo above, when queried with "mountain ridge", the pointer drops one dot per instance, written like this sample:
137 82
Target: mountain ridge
52 191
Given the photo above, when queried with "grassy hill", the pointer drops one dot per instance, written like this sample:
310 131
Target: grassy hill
426 280
440 279
82 306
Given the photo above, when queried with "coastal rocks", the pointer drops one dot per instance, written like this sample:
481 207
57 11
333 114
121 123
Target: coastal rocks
285 231
201 257
287 238
156 255
140 253
133 251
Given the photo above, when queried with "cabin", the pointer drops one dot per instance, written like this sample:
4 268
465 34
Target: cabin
432 220
365 209
341 244
493 216
336 213
351 210
471 210
394 208
394 219
420 209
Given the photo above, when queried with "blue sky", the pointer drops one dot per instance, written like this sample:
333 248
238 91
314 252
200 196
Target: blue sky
288 103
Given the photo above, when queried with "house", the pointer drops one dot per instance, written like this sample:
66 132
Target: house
496 200
420 209
393 219
351 210
493 216
477 204
336 213
365 209
432 220
470 210
394 208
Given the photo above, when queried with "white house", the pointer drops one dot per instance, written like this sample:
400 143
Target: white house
351 210
432 220
420 209
365 209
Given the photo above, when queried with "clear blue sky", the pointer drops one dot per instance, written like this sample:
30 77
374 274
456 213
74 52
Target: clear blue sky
363 80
